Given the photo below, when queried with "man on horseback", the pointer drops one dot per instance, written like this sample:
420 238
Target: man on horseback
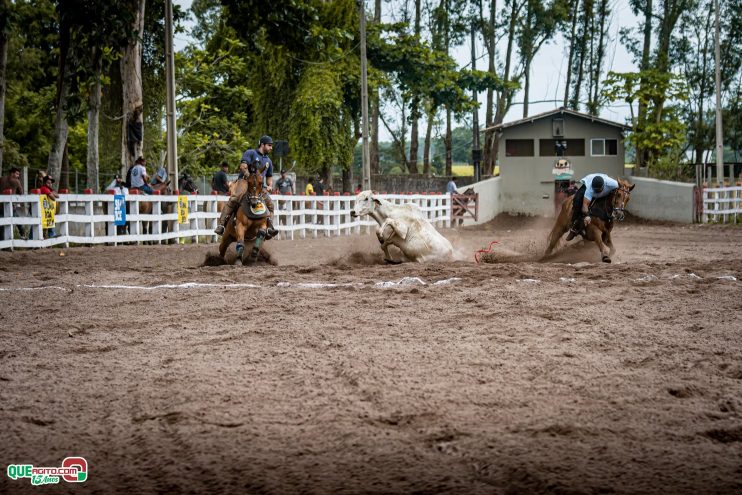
600 185
260 158
138 177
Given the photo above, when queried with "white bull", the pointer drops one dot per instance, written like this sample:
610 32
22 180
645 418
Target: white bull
404 226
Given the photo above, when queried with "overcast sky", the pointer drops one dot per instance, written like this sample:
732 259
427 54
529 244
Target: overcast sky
548 70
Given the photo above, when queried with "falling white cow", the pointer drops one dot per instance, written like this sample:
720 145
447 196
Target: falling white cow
404 226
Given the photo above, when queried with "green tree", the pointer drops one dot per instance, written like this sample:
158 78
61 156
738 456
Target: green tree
304 75
661 133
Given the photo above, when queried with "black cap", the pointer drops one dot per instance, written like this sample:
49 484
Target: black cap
49 177
598 183
283 171
266 140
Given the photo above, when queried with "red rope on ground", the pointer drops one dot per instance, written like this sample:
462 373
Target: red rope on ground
483 251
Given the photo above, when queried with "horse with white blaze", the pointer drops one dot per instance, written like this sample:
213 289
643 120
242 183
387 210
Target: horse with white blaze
404 226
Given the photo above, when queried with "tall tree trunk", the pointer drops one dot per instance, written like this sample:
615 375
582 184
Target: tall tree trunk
582 53
575 5
415 107
526 85
414 141
4 7
93 161
59 141
641 158
603 14
375 109
64 171
488 157
132 129
527 55
700 122
448 140
505 97
426 147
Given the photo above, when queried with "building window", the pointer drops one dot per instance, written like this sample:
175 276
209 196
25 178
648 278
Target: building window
519 147
604 147
575 147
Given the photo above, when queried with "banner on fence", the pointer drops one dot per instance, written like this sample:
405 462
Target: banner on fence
119 209
48 207
182 209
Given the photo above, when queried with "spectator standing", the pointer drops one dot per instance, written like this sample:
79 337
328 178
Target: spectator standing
12 181
220 181
46 188
285 185
117 186
451 187
309 190
39 181
358 189
319 187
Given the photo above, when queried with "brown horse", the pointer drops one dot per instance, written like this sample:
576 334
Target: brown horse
602 213
250 224
145 207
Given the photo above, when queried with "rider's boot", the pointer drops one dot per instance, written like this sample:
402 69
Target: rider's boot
272 232
573 232
226 214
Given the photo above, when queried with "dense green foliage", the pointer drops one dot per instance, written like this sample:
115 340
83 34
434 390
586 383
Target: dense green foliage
291 69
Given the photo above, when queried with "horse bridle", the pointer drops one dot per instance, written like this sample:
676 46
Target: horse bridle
619 212
258 195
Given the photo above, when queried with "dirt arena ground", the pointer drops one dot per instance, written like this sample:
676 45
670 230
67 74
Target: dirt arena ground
327 371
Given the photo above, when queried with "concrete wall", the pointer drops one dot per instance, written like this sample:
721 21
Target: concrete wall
655 199
528 184
490 204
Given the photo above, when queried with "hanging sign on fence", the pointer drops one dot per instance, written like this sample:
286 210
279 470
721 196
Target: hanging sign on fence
119 209
48 207
182 209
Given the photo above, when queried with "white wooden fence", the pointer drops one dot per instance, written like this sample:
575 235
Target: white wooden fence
722 204
88 218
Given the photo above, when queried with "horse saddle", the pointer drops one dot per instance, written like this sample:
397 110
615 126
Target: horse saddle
260 210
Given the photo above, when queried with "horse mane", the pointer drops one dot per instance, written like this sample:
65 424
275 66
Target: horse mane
603 207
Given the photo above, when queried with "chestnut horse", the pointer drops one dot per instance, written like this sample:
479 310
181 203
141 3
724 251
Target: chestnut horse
250 224
602 213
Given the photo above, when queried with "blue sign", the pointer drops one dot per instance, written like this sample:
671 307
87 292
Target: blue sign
119 209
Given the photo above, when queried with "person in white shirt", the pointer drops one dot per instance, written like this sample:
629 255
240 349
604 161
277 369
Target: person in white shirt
139 177
117 186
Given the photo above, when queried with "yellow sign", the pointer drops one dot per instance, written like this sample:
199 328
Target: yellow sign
182 209
48 207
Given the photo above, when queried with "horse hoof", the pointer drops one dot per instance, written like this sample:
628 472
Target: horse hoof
607 259
238 262
392 262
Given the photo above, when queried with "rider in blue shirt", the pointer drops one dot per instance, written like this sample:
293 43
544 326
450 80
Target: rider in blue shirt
257 157
601 185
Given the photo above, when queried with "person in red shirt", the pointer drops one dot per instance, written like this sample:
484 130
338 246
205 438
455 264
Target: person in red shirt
46 188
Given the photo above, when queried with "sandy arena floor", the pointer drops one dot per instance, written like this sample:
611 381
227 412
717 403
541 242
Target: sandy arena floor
309 374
